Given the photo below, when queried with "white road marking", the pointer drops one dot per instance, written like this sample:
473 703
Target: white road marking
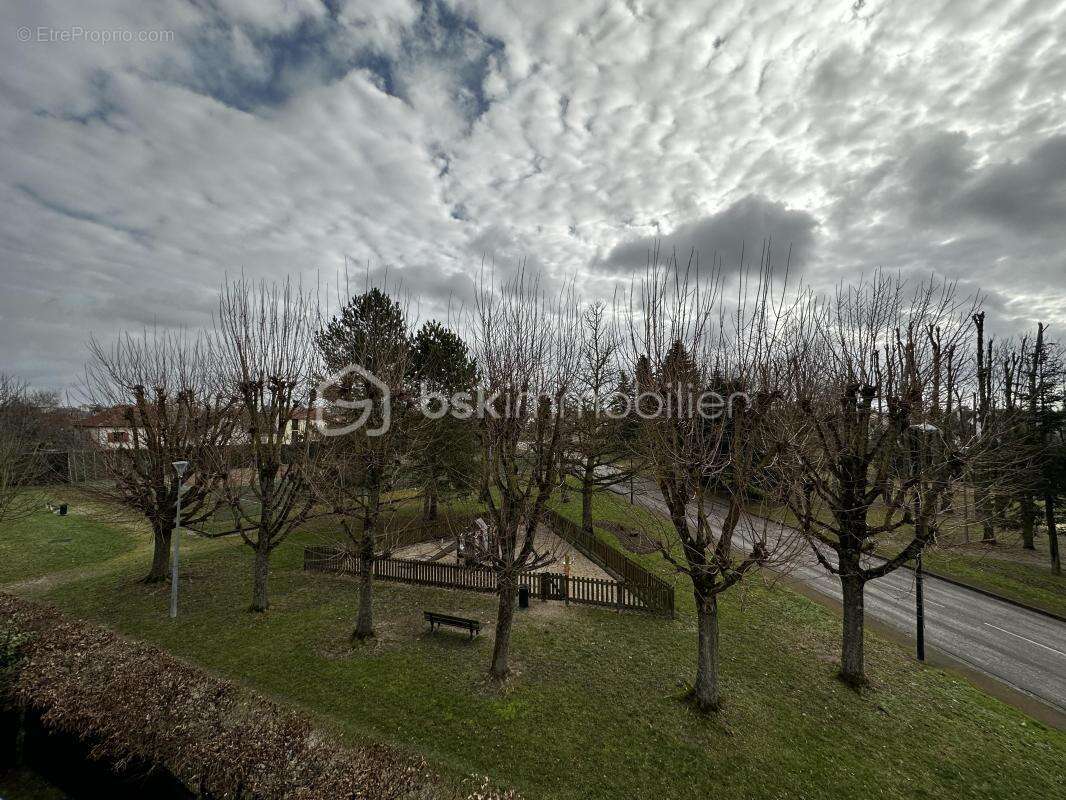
1023 638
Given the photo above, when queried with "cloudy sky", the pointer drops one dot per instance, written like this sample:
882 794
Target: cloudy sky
293 136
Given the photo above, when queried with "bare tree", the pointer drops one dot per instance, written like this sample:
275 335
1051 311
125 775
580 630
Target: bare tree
1045 419
164 390
706 381
599 454
264 335
1029 369
864 446
527 349
984 475
17 448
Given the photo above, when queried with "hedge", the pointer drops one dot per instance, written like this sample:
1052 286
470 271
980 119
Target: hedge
131 702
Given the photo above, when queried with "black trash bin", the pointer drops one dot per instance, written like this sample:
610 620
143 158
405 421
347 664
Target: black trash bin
523 597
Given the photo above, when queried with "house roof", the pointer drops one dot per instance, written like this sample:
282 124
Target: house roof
114 417
305 413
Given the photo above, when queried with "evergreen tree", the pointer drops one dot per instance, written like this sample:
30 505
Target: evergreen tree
441 366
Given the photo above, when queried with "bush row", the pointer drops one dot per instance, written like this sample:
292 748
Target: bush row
133 702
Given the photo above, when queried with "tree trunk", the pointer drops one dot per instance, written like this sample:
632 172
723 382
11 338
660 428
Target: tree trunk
986 511
586 507
508 592
705 693
364 620
260 573
1001 504
160 555
429 502
852 669
1028 514
587 488
1052 533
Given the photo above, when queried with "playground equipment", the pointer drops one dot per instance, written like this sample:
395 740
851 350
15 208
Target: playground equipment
471 543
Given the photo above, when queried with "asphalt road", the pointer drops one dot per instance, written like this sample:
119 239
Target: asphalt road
1022 649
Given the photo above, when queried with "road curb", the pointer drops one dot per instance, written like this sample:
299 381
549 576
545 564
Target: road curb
993 595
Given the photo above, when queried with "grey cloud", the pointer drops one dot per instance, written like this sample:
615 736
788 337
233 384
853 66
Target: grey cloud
934 171
941 185
936 207
432 290
1028 196
747 224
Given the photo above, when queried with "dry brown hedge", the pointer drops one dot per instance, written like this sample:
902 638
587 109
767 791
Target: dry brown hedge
133 702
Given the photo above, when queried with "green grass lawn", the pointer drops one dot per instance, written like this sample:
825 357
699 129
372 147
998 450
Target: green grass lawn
44 543
593 710
1027 583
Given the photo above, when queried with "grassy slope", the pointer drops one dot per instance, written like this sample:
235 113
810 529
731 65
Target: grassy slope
593 711
992 570
1026 583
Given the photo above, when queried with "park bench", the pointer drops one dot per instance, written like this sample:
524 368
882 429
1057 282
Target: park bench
434 619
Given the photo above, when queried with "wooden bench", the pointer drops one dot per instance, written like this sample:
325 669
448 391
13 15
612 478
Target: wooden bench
434 619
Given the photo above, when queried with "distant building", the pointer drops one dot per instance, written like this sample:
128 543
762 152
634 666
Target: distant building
304 422
109 428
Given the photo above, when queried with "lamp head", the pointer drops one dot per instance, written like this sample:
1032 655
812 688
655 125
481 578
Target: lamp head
180 467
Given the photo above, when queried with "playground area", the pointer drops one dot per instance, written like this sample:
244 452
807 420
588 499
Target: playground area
446 551
572 566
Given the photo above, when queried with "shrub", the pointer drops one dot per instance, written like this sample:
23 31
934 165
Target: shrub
132 702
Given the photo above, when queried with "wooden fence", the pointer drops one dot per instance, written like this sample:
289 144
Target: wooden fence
543 585
654 590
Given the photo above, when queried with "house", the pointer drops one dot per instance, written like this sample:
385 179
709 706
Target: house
109 428
304 422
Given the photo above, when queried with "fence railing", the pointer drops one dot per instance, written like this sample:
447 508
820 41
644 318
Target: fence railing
543 585
47 467
89 464
615 563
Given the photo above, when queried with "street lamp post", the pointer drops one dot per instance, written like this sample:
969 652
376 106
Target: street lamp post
923 428
919 605
179 468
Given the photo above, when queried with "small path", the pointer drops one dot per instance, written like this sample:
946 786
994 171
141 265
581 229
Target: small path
140 554
44 584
